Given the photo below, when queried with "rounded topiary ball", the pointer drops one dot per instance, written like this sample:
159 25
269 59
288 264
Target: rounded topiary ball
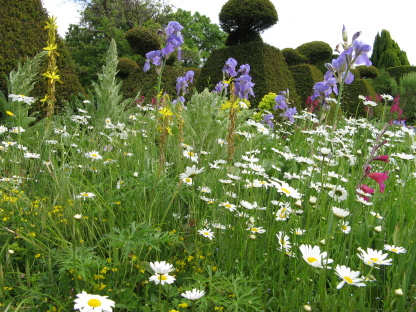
125 67
368 72
247 15
316 51
143 40
293 57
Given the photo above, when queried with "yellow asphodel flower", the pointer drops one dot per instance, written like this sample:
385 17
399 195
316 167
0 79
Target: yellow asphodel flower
45 99
228 104
165 112
9 113
51 23
50 48
53 76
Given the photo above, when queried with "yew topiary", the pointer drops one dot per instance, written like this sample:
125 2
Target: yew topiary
143 40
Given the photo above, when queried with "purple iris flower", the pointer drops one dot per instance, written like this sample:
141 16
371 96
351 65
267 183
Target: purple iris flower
268 120
190 76
244 69
229 67
155 57
340 66
243 87
181 85
361 49
280 102
221 86
289 113
321 89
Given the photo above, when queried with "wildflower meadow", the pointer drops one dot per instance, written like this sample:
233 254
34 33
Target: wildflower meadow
202 202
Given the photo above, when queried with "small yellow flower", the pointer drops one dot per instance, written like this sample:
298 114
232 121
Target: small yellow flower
50 48
9 113
53 76
165 111
183 305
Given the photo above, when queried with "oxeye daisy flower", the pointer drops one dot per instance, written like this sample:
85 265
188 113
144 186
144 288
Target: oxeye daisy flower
94 155
283 241
314 257
228 206
289 191
31 156
256 230
190 172
85 195
207 233
248 205
161 267
93 303
394 249
162 279
193 294
298 231
348 276
340 213
338 193
345 227
377 215
372 257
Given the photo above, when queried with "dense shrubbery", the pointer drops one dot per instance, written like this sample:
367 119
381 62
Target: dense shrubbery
143 40
293 57
317 52
399 71
407 92
368 71
126 66
305 76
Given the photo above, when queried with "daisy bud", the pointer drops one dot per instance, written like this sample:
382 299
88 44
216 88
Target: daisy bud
11 251
136 174
322 242
378 229
78 216
307 307
252 236
398 292
298 203
312 200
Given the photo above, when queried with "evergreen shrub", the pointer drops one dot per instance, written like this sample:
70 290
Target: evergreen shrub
125 67
143 40
318 52
399 71
349 100
368 72
407 92
305 76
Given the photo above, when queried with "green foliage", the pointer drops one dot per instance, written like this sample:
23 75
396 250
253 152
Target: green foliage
125 67
407 91
241 36
268 69
247 15
142 83
200 36
384 83
318 52
305 77
293 57
143 40
399 71
349 100
368 71
386 52
23 35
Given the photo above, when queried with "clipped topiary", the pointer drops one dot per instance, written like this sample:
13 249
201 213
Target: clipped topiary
244 18
143 40
305 77
399 71
367 72
125 67
318 52
349 100
268 70
293 57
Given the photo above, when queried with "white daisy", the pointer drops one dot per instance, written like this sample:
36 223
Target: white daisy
394 249
161 267
162 279
193 294
93 303
207 233
339 212
314 257
371 257
338 193
345 227
94 155
348 276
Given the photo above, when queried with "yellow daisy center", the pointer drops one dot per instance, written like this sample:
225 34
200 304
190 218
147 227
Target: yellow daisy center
94 303
394 249
348 279
285 190
206 233
94 155
375 260
162 277
311 259
254 229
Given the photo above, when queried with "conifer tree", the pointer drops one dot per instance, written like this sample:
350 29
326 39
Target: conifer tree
23 34
386 52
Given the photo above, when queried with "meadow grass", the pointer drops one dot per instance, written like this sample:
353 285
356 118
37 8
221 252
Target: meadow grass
87 205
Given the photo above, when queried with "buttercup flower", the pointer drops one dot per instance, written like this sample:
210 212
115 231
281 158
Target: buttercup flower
93 303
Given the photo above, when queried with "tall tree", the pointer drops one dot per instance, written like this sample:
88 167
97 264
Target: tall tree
23 35
386 52
200 35
103 20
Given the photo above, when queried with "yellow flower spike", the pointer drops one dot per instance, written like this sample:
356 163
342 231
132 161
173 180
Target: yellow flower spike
50 48
53 76
51 23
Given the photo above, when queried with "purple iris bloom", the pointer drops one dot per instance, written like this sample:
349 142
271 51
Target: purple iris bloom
229 67
243 87
360 50
340 65
181 85
289 113
220 87
173 27
244 69
155 57
321 89
280 102
268 120
190 76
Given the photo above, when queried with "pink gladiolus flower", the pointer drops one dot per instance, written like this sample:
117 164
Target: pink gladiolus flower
366 189
379 178
384 158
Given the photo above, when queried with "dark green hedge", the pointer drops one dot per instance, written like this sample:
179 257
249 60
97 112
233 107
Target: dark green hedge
293 57
318 52
143 40
125 67
350 102
145 82
305 77
368 72
399 71
269 70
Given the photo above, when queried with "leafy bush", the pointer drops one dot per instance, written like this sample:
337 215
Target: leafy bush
126 66
268 69
399 71
368 72
318 52
305 77
350 95
384 83
247 15
408 96
143 40
293 57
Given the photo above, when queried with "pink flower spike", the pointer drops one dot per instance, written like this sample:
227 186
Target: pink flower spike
384 158
366 189
379 178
